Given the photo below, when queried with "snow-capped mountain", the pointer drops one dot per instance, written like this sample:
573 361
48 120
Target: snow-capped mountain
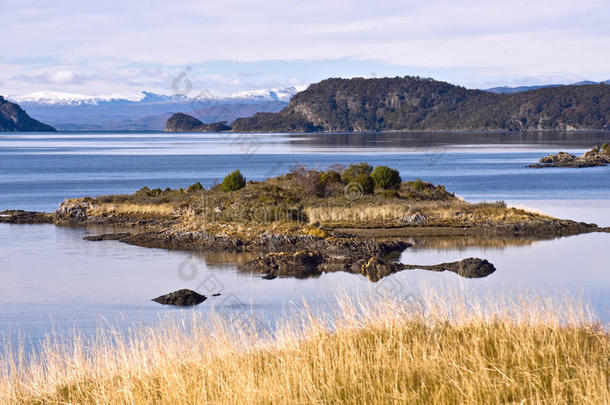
147 111
61 98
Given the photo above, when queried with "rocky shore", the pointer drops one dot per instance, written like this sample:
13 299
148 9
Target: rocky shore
598 156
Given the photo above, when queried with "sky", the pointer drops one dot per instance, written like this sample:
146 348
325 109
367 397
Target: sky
124 47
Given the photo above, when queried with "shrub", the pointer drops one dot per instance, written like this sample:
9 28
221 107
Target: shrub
606 148
385 177
354 170
194 188
367 183
309 180
390 194
233 181
418 185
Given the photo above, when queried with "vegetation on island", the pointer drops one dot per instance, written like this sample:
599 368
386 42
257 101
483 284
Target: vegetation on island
414 103
310 200
439 346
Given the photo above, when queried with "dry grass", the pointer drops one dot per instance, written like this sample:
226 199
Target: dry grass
440 349
144 210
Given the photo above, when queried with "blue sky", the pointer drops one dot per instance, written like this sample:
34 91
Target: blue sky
104 47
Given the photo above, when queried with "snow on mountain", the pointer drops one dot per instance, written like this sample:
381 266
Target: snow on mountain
73 99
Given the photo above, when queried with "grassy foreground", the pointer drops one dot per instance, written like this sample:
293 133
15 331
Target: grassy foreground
440 349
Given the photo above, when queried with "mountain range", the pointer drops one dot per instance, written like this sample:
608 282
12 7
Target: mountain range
146 111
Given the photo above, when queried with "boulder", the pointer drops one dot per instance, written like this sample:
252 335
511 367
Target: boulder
181 298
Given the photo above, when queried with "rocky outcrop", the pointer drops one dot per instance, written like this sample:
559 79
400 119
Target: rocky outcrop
595 157
25 217
181 122
13 118
181 298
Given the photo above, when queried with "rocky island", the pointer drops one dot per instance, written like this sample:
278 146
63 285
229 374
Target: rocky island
598 156
180 122
306 222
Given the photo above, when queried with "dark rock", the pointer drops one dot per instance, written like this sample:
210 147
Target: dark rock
297 264
269 277
107 236
595 157
25 217
216 295
181 298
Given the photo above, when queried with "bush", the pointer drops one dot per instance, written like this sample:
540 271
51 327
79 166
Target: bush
418 185
233 181
385 177
349 175
390 194
367 183
309 180
194 188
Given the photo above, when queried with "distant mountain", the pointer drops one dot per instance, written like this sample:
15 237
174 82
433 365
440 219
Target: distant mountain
510 90
413 103
13 118
146 111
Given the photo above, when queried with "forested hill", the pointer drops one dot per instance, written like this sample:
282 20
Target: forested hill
13 118
413 103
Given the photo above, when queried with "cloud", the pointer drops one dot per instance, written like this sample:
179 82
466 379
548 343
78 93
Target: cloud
63 77
119 44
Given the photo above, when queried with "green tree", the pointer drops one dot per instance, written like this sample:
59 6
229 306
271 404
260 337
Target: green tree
366 182
355 170
233 181
385 177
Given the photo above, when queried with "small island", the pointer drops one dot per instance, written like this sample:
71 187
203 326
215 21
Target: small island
598 156
307 222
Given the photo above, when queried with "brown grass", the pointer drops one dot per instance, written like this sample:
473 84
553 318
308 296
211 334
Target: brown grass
443 349
144 210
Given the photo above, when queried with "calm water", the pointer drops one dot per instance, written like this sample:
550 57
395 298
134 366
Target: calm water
53 281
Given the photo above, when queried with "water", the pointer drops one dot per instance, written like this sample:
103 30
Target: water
54 282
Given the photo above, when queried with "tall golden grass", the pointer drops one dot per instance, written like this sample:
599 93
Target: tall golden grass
441 349
162 210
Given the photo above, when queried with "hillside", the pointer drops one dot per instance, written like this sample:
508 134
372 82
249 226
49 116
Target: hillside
13 118
180 122
413 103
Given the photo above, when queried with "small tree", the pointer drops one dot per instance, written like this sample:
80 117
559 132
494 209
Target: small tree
367 183
385 177
233 181
194 188
354 170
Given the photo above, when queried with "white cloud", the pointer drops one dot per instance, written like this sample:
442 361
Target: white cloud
122 44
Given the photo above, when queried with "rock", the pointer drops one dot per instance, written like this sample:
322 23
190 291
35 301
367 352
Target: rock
269 277
181 298
471 267
595 157
297 264
25 217
107 236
